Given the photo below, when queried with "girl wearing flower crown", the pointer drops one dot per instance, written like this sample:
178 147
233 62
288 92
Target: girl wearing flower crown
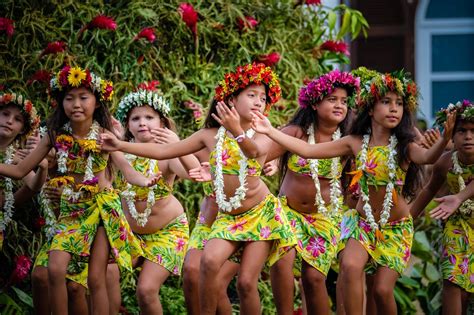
91 221
380 230
310 191
154 214
252 218
456 169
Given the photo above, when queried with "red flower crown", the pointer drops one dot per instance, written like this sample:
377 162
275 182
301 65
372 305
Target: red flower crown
26 107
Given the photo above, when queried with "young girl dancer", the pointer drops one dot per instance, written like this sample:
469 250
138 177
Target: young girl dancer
380 230
456 169
252 219
154 214
311 191
91 221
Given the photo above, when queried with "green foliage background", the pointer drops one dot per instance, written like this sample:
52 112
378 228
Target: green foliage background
187 69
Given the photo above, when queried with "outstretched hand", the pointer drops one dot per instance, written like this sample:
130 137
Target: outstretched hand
227 116
108 142
447 206
260 123
449 125
270 168
201 174
153 180
430 137
164 136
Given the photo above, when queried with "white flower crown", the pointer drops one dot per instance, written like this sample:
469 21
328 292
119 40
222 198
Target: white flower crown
141 98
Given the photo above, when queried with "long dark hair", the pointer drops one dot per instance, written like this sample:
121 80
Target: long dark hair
405 134
303 118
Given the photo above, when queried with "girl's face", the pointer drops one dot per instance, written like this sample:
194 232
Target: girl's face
388 110
142 120
11 122
79 104
333 108
252 98
463 138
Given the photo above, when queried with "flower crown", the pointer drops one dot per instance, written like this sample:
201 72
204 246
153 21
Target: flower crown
26 108
255 73
376 85
410 90
464 109
72 77
317 89
142 97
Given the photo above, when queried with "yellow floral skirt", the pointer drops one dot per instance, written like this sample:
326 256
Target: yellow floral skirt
76 270
392 249
199 235
167 247
457 256
78 223
317 237
264 222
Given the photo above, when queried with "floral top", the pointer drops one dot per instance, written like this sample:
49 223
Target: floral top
79 150
230 160
301 166
452 177
377 169
162 189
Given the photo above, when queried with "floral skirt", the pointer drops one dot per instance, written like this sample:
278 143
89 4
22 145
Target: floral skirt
78 223
317 237
391 250
76 270
167 247
199 235
264 222
457 258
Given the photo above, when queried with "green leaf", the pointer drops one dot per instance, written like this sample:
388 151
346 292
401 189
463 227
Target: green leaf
11 307
147 13
332 18
432 272
408 282
346 20
24 297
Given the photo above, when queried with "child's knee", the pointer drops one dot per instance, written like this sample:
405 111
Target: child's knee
75 290
246 284
39 277
146 292
351 267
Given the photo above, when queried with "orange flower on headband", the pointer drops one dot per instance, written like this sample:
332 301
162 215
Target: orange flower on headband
247 75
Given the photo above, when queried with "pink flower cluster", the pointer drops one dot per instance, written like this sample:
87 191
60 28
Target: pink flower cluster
317 89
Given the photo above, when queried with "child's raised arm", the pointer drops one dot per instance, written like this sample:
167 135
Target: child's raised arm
130 174
324 150
449 204
18 171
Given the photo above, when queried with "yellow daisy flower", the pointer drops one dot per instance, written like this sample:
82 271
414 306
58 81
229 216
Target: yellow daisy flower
60 181
75 77
88 145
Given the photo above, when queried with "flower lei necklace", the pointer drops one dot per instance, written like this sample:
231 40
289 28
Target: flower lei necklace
9 197
129 195
467 206
64 144
335 191
236 200
388 199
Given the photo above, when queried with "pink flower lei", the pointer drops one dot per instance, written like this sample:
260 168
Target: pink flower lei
318 88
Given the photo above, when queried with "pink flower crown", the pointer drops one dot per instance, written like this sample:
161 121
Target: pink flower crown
255 73
73 77
26 107
318 88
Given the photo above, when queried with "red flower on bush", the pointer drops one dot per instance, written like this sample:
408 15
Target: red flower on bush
7 26
101 22
54 48
335 46
312 2
22 268
42 76
249 23
270 59
2 87
149 86
189 16
148 33
39 223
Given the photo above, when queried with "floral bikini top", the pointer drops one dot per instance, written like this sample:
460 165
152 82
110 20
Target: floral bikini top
452 177
301 166
78 153
143 165
377 168
230 159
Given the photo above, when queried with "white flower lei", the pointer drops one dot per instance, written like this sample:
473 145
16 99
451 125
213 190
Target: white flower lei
50 218
388 200
9 197
335 192
62 160
467 206
218 181
129 195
